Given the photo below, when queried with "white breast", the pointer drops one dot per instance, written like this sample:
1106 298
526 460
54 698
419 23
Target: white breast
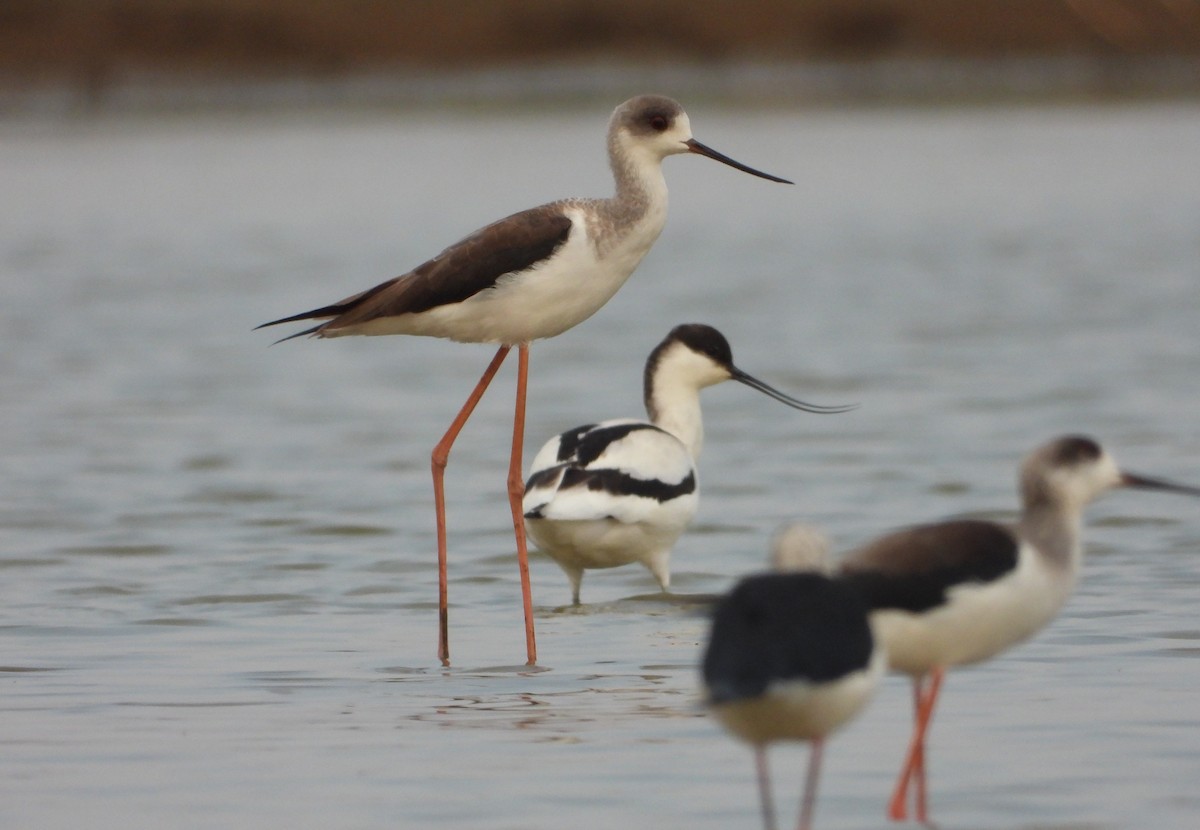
543 301
978 621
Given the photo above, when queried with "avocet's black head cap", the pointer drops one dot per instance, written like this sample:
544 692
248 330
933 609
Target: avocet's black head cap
707 341
695 337
702 339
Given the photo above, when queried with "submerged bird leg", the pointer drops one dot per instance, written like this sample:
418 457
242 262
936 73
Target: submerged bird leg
764 786
516 491
914 762
810 784
441 454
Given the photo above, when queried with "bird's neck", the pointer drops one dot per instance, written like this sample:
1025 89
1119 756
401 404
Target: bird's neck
1055 530
637 212
675 407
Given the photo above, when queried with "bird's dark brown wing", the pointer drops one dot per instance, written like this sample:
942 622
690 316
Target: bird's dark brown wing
913 569
467 267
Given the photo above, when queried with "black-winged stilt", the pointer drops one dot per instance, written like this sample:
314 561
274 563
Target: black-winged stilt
960 592
532 275
621 491
791 656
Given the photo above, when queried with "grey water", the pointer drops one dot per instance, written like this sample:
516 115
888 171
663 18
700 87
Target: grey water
218 593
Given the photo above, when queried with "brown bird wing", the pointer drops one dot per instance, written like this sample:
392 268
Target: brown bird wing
913 569
473 264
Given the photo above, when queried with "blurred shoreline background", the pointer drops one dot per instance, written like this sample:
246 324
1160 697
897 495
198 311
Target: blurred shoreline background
120 55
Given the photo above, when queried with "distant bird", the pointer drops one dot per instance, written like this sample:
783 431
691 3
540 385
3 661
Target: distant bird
532 275
792 657
800 547
960 592
621 491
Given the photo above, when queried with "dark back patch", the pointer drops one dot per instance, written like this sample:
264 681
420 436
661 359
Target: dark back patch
785 626
477 262
471 265
913 569
543 478
568 442
618 483
592 443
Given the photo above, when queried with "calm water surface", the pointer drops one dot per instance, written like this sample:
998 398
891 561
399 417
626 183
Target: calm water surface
217 601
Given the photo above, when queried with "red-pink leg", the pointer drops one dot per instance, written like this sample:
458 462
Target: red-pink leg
764 786
516 491
810 784
898 806
917 779
923 700
441 454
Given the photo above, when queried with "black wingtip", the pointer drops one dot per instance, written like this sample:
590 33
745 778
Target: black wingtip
295 318
322 313
307 332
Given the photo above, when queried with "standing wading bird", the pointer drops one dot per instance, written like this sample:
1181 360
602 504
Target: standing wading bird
622 491
532 275
960 592
792 656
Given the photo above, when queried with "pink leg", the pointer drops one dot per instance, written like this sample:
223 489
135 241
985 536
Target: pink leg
810 784
922 701
516 490
764 786
441 454
917 779
915 759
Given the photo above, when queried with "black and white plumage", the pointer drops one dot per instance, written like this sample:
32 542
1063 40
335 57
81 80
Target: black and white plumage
531 275
960 592
541 271
791 657
623 491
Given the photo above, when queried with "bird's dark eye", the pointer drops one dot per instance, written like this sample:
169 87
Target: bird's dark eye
659 122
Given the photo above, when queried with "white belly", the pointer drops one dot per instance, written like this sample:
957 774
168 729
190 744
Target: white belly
529 305
608 543
801 711
977 621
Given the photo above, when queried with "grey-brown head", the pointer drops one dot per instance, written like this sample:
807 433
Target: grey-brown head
1074 470
658 126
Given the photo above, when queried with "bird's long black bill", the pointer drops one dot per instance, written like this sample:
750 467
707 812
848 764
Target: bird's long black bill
704 150
755 383
1148 483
